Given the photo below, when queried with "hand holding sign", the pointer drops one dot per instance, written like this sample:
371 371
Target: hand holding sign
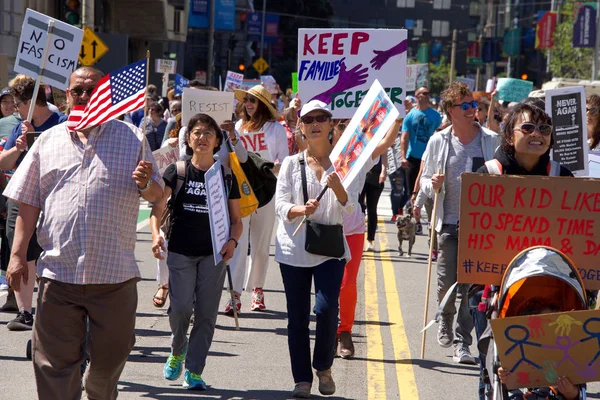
21 143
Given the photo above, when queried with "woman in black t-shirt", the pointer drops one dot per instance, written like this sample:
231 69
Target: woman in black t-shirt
193 274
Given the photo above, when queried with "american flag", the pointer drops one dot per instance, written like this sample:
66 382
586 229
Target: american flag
75 117
120 92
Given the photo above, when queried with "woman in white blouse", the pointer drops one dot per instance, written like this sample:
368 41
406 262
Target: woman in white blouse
299 267
260 133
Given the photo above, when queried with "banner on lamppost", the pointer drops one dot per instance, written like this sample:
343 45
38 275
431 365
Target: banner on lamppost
584 30
545 28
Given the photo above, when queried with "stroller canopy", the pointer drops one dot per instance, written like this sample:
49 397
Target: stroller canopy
541 272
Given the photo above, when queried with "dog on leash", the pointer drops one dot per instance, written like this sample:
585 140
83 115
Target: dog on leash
407 230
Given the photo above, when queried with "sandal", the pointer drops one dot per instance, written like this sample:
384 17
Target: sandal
160 301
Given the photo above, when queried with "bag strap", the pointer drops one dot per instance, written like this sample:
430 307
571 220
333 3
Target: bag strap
180 165
227 177
553 168
303 172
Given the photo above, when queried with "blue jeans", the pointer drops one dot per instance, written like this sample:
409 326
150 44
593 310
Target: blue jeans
297 282
480 322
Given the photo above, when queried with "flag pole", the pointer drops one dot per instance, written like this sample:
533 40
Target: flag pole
145 108
38 80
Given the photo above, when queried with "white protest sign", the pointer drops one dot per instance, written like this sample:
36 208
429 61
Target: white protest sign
233 81
489 86
368 126
566 107
218 214
256 143
219 105
416 76
164 66
53 56
165 156
338 66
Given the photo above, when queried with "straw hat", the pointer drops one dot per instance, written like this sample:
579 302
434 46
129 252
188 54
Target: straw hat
261 94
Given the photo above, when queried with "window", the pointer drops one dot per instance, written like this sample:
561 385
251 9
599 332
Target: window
418 29
440 28
405 3
441 4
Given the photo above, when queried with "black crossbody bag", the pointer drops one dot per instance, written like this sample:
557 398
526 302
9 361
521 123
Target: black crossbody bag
321 239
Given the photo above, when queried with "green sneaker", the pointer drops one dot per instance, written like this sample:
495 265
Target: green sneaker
174 366
193 381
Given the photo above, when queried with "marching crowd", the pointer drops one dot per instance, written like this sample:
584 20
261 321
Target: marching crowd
71 191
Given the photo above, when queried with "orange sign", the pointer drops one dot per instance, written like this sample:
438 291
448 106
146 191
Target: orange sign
501 215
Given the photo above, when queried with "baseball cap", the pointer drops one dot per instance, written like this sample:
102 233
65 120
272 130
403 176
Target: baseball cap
315 105
5 92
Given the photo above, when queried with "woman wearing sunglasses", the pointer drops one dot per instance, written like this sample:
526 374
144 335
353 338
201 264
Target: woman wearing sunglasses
526 139
260 133
301 179
593 121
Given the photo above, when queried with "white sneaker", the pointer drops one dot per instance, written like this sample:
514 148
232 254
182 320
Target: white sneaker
462 355
370 246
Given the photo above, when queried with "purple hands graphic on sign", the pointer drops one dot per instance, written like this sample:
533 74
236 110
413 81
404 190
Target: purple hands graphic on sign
383 56
347 79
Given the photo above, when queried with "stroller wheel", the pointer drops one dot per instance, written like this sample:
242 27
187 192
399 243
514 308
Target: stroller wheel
28 350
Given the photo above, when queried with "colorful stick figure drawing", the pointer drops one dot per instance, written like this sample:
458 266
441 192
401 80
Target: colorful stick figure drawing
563 325
520 342
564 343
593 335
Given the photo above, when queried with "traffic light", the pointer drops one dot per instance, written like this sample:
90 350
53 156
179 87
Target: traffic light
524 77
242 67
73 12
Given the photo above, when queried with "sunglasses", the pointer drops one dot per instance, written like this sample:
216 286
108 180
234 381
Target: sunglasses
425 93
528 128
79 91
592 110
466 105
318 118
250 99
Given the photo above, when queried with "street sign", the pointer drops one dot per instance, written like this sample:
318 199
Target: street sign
260 65
92 48
165 66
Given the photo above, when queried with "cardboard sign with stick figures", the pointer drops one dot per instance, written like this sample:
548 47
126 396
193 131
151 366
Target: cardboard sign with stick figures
538 349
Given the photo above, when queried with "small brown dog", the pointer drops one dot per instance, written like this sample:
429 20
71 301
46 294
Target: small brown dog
407 230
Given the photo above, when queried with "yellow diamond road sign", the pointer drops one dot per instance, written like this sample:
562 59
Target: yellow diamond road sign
92 48
260 65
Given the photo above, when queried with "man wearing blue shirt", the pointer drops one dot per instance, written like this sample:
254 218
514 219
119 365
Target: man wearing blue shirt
418 126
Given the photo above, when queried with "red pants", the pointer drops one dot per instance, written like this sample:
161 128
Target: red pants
348 292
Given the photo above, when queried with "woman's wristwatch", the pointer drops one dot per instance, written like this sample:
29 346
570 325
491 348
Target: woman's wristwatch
235 241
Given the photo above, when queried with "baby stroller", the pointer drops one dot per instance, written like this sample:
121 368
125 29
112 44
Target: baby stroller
538 271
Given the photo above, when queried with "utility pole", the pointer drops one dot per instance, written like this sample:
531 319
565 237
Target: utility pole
211 43
596 44
262 29
452 57
552 9
489 72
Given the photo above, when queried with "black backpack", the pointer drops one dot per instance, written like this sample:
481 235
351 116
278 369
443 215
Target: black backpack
261 177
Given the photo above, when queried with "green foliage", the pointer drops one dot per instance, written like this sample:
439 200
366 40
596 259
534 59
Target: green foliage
438 76
567 61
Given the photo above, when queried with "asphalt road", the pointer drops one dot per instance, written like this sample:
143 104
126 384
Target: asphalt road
253 363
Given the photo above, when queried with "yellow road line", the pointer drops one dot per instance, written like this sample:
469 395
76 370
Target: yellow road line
375 371
405 373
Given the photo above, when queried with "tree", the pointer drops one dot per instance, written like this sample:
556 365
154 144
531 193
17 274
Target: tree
567 61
